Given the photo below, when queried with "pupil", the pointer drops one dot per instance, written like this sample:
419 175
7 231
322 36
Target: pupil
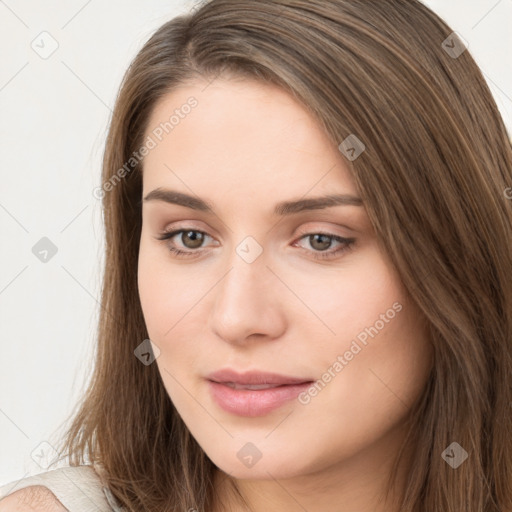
323 245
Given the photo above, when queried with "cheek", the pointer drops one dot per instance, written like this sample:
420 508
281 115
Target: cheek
167 292
366 389
374 369
174 302
373 356
166 296
348 299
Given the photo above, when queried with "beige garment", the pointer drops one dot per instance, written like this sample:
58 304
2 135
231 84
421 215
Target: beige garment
78 488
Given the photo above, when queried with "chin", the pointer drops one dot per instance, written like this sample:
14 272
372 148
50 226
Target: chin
269 465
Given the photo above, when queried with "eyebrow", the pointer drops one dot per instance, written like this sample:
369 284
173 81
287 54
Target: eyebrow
281 209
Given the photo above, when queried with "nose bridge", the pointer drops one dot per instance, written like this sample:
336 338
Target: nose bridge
246 262
244 301
247 277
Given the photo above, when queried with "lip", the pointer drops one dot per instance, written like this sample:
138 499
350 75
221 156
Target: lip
254 402
255 377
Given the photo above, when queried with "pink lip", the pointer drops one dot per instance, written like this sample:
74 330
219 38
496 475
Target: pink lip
251 403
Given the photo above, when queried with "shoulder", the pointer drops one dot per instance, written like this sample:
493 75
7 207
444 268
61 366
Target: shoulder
33 498
68 489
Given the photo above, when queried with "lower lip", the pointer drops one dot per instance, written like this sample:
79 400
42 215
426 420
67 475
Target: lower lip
247 402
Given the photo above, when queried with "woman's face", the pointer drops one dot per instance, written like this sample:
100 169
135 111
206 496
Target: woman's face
266 286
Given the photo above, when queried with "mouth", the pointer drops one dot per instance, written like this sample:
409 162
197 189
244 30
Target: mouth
254 393
255 377
235 385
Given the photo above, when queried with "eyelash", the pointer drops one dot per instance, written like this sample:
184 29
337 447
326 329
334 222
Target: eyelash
318 255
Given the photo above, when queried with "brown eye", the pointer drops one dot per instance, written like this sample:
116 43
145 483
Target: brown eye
192 239
320 242
189 239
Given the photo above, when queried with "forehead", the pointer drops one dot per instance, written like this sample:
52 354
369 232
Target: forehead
246 136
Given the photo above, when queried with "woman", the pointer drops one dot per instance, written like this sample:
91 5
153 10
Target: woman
307 300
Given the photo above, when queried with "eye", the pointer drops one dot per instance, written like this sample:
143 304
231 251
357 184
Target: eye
192 239
320 242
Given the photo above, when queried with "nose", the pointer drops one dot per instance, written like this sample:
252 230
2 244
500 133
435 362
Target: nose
248 303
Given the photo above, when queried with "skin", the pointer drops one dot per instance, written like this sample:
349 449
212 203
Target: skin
244 148
34 497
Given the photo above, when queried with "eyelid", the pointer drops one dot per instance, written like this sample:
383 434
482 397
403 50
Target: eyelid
330 231
304 229
300 232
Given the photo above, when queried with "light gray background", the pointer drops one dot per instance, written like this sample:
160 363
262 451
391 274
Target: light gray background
54 117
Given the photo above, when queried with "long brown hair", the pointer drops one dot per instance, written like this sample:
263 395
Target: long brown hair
433 174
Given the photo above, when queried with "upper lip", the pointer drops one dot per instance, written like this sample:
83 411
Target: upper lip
254 377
